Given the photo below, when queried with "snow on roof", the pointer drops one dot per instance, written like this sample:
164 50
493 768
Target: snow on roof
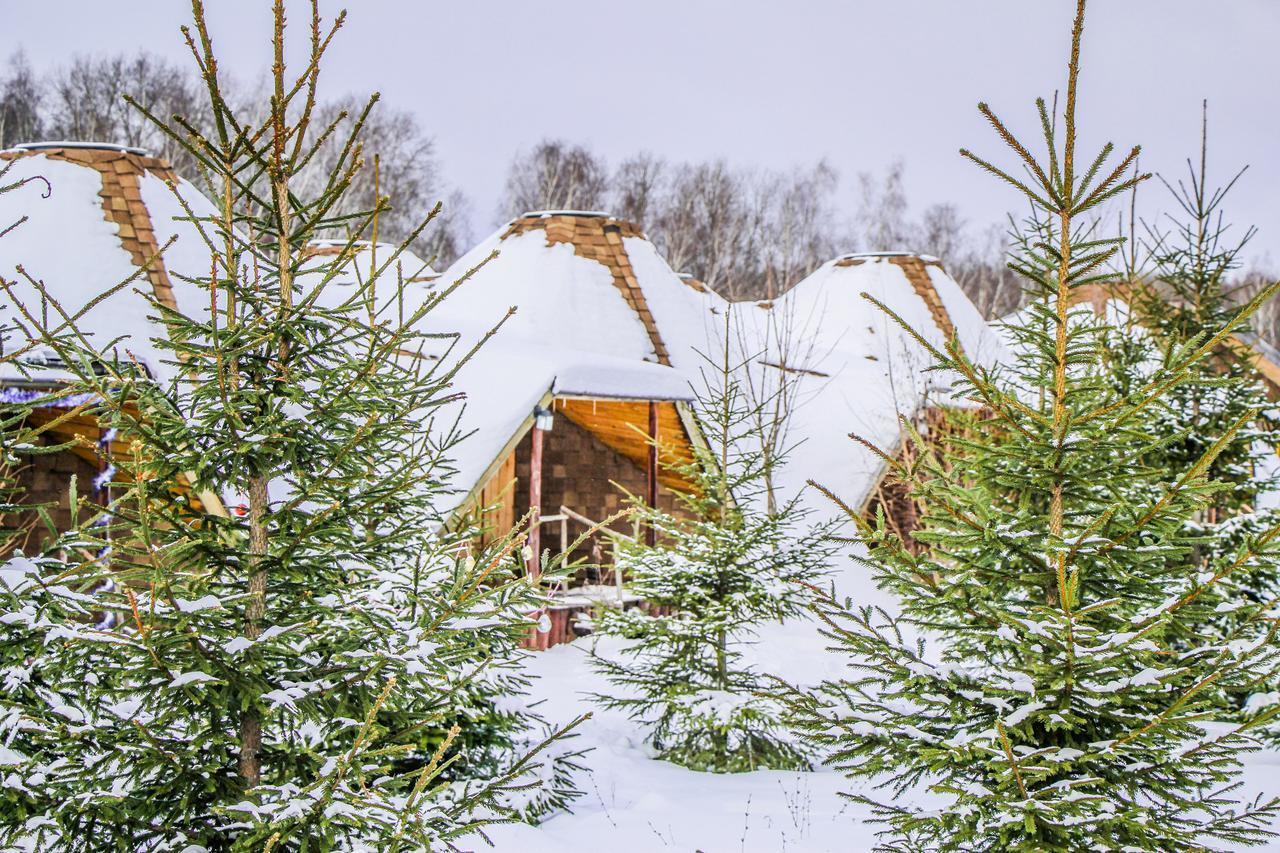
890 253
545 214
73 143
612 378
560 297
596 312
96 214
690 319
388 261
109 210
368 256
858 369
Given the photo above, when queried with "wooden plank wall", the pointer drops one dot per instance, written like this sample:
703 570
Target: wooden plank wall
498 495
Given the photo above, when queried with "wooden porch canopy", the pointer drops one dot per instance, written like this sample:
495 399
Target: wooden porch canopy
626 426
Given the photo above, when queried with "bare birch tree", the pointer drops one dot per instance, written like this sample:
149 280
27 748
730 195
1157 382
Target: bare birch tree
408 171
85 101
555 175
21 97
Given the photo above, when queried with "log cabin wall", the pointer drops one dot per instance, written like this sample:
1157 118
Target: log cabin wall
902 512
496 499
88 448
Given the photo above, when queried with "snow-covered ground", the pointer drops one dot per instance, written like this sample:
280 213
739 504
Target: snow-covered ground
636 803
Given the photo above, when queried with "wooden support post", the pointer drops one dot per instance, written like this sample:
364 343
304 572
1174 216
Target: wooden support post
535 504
538 639
651 471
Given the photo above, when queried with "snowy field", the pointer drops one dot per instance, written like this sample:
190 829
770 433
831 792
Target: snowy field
634 803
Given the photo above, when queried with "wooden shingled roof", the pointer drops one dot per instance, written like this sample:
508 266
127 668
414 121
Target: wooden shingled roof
121 170
915 267
598 237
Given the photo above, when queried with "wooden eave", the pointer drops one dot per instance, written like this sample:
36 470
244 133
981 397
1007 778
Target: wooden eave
623 426
82 433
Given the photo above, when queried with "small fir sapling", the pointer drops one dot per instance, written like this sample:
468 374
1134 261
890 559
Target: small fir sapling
1182 290
1042 681
726 561
326 669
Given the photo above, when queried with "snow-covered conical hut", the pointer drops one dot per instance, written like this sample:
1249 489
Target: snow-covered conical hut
858 370
87 217
565 397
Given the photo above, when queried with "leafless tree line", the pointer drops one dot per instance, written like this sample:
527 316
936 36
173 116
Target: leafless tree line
84 101
751 233
747 233
975 257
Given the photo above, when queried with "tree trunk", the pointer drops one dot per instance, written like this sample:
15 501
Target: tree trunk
255 610
722 659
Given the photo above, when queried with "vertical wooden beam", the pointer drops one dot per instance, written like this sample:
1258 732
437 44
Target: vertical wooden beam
535 504
651 472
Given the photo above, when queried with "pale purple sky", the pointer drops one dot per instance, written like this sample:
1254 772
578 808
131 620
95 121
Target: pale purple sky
770 84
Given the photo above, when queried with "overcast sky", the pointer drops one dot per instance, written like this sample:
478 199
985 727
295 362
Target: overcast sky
771 84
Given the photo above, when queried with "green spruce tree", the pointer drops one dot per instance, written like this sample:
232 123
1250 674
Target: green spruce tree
327 668
729 558
1042 688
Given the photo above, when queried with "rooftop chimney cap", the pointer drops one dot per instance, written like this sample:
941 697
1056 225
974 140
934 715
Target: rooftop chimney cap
898 253
69 143
544 213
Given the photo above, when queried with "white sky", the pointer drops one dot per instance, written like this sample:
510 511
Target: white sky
774 84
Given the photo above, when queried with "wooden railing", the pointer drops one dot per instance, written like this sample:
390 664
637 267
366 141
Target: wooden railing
566 515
